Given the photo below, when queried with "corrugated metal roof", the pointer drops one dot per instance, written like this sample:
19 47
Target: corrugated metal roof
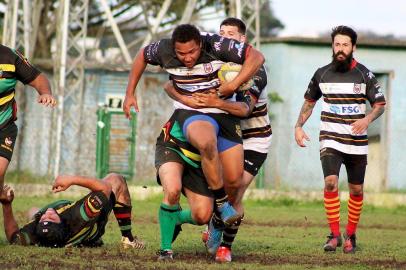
322 41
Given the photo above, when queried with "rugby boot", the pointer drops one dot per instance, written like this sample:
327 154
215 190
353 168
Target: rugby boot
223 254
228 214
165 255
332 242
214 236
349 243
136 243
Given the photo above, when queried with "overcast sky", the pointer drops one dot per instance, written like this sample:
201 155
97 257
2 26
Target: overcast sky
310 17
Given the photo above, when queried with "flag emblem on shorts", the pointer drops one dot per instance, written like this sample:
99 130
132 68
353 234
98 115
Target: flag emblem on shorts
238 130
8 141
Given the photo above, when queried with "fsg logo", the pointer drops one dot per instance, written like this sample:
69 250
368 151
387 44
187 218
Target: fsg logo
344 109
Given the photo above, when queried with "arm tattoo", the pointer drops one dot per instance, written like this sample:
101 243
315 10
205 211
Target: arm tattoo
376 112
305 113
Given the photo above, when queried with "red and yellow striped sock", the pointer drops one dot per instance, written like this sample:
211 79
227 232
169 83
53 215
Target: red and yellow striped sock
332 207
354 212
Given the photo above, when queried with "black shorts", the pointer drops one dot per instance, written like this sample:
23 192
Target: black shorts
192 178
253 161
332 159
227 126
8 137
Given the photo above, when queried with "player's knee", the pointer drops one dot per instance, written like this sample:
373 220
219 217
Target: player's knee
356 190
331 183
172 196
116 181
202 217
207 148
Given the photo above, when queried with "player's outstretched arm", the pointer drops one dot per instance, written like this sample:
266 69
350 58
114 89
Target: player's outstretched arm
137 69
43 87
253 61
10 224
63 182
304 114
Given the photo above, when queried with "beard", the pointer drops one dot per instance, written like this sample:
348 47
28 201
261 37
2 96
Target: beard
342 65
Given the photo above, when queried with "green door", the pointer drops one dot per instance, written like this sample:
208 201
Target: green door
115 150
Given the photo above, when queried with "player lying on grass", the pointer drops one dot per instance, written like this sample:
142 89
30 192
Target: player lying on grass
81 223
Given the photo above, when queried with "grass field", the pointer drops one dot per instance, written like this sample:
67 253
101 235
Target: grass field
282 234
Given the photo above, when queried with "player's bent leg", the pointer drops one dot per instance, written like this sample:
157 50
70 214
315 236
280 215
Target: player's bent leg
122 211
3 168
201 207
170 176
224 253
232 161
203 136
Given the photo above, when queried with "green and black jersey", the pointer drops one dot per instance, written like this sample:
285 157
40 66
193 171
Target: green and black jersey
13 66
85 220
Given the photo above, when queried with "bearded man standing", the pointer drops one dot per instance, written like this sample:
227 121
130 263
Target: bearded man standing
345 85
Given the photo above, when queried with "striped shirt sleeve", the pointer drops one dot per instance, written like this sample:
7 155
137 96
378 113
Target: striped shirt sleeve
313 92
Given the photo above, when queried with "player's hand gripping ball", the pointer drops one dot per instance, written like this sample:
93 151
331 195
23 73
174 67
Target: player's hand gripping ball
229 71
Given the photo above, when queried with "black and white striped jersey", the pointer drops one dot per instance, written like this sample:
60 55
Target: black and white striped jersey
256 128
216 50
344 102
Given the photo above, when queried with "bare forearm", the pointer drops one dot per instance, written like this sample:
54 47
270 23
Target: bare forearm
251 65
305 113
91 183
239 109
137 69
376 111
172 93
41 84
10 224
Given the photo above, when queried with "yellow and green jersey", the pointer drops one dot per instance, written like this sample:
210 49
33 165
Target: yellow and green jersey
84 219
13 67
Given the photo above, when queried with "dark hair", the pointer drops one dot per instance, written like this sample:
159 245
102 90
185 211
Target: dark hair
184 33
231 21
51 234
346 31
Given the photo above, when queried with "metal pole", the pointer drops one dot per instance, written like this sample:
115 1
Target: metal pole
238 9
116 32
161 14
27 27
5 24
257 21
61 86
14 27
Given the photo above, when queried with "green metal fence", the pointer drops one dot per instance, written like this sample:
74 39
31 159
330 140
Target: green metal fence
115 146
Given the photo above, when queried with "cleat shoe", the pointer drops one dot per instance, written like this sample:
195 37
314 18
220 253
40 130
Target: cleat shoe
228 214
350 244
165 255
214 236
178 229
136 243
223 254
332 243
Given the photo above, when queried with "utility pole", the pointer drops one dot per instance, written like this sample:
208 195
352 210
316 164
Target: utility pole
69 76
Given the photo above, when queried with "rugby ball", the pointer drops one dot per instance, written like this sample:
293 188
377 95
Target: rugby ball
229 71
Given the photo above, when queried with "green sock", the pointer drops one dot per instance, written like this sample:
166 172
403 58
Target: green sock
185 216
168 216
